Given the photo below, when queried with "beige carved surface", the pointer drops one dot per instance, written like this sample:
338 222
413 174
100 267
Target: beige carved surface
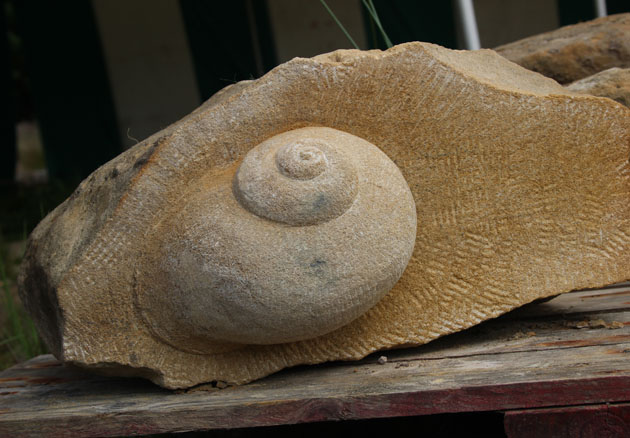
310 232
521 191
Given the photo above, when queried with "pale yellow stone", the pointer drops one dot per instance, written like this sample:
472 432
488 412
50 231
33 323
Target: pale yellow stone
521 191
574 52
613 83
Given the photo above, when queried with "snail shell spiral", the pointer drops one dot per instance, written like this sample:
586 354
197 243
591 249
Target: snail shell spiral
313 229
298 181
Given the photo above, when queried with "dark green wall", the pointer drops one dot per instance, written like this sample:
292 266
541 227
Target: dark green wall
70 87
618 6
576 11
221 41
7 100
412 20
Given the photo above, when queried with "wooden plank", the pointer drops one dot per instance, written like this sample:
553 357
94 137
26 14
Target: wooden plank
64 404
504 335
499 365
592 421
611 298
568 320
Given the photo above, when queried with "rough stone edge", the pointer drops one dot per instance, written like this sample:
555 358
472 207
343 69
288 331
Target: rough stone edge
562 32
591 85
41 270
143 146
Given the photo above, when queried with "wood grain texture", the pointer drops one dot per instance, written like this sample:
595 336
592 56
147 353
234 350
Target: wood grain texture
592 421
536 357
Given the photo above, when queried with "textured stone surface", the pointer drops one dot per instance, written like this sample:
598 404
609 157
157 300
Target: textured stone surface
521 190
220 275
575 52
613 83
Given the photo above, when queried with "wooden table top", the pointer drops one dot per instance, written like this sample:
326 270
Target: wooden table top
572 350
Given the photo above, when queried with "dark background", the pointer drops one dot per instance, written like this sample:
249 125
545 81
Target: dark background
53 70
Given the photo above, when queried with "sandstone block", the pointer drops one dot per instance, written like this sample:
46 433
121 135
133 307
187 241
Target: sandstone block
575 52
613 83
265 229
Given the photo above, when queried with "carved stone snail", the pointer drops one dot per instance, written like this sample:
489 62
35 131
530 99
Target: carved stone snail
265 229
314 227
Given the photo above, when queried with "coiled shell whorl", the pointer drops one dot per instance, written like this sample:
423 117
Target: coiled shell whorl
298 181
311 230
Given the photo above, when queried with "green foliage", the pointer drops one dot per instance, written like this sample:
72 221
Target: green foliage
22 208
369 5
19 340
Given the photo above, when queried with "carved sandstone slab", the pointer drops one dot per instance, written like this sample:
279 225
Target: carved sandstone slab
264 230
613 83
575 52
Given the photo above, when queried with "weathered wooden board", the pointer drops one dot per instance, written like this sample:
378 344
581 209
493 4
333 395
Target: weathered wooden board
536 357
614 298
590 421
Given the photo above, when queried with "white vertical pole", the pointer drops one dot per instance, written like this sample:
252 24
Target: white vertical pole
466 11
600 8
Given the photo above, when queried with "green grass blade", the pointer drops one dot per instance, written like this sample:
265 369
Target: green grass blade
332 14
35 346
9 305
21 339
369 5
